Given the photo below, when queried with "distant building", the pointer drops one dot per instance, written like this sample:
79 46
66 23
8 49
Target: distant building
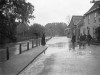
67 32
91 20
74 24
79 27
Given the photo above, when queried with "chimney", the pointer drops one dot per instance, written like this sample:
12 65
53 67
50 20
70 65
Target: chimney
93 1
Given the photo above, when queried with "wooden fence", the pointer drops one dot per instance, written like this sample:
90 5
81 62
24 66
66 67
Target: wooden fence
19 48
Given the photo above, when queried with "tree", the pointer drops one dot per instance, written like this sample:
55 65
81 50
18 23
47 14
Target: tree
49 29
68 18
57 28
60 28
12 11
37 29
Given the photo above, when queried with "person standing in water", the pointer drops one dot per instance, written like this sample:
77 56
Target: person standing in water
43 43
73 41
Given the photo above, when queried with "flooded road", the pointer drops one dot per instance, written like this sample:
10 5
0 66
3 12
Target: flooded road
58 60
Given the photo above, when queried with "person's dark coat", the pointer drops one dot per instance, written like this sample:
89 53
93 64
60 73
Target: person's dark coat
84 37
43 40
81 38
73 38
89 38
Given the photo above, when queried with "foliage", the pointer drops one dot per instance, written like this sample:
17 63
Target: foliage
25 32
53 29
36 29
10 12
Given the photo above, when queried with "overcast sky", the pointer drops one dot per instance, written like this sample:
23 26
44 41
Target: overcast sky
47 11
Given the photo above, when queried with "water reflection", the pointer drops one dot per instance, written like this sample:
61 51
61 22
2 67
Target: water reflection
13 50
58 45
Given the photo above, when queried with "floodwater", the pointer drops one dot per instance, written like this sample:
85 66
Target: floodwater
59 60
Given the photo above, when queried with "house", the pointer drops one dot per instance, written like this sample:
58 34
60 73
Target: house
22 27
74 24
79 26
91 20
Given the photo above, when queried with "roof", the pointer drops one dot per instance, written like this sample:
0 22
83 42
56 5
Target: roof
81 23
75 20
93 8
22 27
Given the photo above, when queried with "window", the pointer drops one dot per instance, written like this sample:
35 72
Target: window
93 31
83 30
88 30
99 19
88 19
95 15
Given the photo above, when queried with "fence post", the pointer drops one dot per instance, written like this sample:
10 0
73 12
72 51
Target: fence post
27 45
20 48
39 42
36 43
7 53
32 44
